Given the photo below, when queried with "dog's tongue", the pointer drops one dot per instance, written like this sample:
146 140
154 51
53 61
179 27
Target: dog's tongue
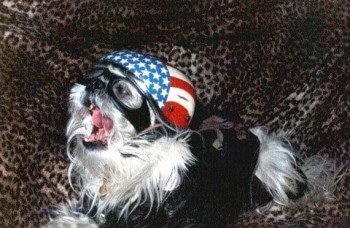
103 125
101 121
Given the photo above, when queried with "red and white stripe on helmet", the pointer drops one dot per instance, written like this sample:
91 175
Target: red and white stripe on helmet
180 103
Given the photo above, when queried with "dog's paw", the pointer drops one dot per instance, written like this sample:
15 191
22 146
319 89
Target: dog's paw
67 217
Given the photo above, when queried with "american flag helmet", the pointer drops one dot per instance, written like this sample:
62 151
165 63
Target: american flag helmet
171 90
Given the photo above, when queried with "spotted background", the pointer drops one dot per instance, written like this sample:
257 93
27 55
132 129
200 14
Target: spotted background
281 63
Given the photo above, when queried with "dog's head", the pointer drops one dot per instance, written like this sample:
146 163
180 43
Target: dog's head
127 131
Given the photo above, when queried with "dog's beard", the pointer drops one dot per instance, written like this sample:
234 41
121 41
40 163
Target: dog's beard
116 166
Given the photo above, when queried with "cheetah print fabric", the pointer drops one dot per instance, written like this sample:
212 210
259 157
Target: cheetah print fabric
284 64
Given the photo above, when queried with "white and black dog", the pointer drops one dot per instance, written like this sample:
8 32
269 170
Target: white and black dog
136 162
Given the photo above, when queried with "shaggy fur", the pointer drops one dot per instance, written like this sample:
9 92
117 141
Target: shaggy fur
68 216
277 167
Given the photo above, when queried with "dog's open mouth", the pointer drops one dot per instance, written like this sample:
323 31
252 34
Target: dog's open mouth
102 126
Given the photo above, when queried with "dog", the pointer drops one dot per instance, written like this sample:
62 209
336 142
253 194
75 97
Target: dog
134 157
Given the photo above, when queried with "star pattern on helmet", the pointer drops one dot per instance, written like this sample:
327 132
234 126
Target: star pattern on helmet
149 70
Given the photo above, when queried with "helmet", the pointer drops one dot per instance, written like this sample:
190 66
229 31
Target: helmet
164 86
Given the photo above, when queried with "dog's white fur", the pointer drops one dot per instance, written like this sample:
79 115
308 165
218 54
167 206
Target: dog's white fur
133 170
276 167
67 216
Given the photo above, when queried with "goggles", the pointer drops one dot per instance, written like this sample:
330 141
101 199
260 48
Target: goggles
118 86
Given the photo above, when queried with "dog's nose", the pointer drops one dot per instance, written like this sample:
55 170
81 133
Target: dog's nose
95 85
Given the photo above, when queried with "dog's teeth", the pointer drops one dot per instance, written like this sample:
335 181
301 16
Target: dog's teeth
91 107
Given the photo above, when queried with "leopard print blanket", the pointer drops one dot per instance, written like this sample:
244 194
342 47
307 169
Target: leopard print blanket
283 64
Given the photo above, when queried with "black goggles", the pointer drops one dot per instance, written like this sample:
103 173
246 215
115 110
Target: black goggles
119 88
